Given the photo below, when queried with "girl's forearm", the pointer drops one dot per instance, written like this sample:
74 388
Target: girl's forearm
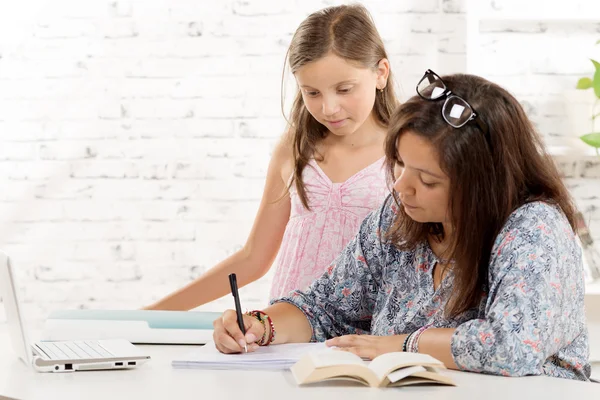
213 284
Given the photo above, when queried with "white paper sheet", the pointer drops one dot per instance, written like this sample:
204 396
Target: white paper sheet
274 357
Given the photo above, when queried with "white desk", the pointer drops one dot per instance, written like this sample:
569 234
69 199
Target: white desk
158 380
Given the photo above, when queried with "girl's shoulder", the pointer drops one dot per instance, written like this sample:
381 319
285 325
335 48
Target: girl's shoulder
284 148
282 158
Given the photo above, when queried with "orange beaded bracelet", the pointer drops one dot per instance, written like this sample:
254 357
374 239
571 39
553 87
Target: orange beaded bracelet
262 317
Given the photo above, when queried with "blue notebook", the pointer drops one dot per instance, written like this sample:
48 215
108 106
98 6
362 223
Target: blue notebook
136 326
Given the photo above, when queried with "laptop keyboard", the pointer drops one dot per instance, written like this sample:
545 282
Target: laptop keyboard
76 350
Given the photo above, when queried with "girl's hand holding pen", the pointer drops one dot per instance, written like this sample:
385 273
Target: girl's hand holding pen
228 336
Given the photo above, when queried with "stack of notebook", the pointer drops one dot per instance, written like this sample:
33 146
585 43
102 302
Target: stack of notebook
276 357
137 326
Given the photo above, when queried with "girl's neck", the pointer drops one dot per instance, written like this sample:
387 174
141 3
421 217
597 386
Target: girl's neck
370 133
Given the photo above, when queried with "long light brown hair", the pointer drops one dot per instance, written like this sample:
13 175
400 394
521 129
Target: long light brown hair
348 32
488 181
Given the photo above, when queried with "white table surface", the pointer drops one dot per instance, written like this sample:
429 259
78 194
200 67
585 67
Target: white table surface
158 380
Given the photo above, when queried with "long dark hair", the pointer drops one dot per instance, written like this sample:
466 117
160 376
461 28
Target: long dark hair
487 183
348 32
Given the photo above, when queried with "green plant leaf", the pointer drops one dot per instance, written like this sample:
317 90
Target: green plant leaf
598 42
584 83
593 139
596 83
596 64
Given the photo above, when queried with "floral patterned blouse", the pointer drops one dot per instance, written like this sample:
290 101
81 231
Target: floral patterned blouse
530 321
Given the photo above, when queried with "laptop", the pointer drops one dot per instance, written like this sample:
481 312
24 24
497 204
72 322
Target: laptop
61 356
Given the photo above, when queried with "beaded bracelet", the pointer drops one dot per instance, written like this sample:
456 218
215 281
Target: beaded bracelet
272 330
417 335
405 343
261 316
412 340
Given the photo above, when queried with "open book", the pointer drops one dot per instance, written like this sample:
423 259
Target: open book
390 369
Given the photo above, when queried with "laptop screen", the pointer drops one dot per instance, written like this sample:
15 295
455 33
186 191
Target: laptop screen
14 320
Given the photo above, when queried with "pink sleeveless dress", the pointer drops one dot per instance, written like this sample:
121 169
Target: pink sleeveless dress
313 239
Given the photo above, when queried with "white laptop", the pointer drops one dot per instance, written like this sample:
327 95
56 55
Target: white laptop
61 356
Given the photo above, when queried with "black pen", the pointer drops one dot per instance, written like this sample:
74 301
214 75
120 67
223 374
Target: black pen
238 307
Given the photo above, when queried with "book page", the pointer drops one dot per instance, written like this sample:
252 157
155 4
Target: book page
431 375
402 373
385 363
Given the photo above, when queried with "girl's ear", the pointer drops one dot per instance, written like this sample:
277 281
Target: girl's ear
383 72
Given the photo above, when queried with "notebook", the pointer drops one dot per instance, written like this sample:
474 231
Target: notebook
390 369
274 357
137 326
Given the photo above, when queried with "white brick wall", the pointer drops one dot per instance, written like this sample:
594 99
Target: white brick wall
135 134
